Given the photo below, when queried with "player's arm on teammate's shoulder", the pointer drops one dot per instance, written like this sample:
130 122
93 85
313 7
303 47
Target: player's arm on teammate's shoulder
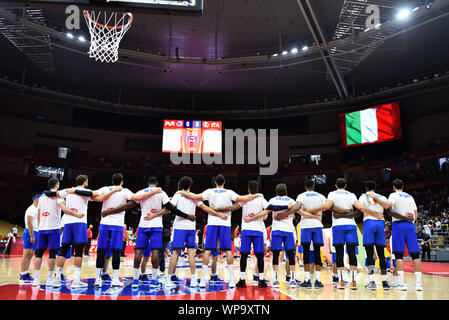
399 216
309 215
124 207
384 204
291 209
248 197
214 212
346 214
191 195
234 207
145 195
366 210
70 211
151 216
261 215
326 206
96 196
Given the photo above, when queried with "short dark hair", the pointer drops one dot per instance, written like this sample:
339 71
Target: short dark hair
398 184
80 179
117 178
185 183
52 182
220 180
281 189
340 183
370 185
152 181
309 184
253 186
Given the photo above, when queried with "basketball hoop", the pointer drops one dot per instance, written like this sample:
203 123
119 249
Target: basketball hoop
105 37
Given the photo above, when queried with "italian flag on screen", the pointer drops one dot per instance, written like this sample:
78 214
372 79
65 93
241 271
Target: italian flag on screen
377 124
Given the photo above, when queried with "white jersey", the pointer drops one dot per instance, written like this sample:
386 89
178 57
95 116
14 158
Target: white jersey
64 219
286 224
78 204
311 200
188 207
32 212
251 208
404 204
50 213
344 200
371 204
152 204
116 199
219 198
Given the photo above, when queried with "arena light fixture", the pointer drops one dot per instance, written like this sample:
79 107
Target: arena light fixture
69 35
294 50
275 55
81 38
284 53
403 14
305 48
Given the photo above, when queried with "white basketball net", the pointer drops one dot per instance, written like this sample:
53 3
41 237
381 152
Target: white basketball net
105 35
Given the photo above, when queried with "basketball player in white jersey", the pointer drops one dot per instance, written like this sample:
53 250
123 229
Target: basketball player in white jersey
311 232
374 235
49 218
184 232
111 227
29 237
403 208
75 229
217 228
344 229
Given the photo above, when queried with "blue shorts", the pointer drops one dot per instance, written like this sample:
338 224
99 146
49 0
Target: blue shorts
334 257
279 237
300 249
254 237
215 252
312 256
110 237
344 234
26 239
183 238
74 233
403 232
218 232
374 232
312 234
149 238
49 239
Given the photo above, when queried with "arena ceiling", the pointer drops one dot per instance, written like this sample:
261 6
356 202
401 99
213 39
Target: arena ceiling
225 55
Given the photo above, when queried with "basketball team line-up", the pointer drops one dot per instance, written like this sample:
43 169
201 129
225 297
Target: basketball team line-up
44 226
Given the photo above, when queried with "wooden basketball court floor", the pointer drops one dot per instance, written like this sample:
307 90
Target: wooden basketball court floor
436 287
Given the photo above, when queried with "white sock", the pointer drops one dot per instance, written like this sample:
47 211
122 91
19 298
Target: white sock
36 274
260 276
401 277
24 273
77 276
50 275
384 277
98 272
136 274
340 275
275 272
231 273
370 277
154 273
204 275
58 273
418 277
292 275
317 275
115 275
242 275
193 278
395 280
307 277
353 275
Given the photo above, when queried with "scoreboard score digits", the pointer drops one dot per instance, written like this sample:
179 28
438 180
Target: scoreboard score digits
192 136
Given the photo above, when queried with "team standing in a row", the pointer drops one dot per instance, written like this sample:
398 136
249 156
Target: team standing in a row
43 222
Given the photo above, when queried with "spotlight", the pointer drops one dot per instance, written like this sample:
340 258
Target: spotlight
305 48
403 14
275 55
294 51
284 53
416 9
81 38
69 35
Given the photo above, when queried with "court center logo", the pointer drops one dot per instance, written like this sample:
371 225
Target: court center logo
256 153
